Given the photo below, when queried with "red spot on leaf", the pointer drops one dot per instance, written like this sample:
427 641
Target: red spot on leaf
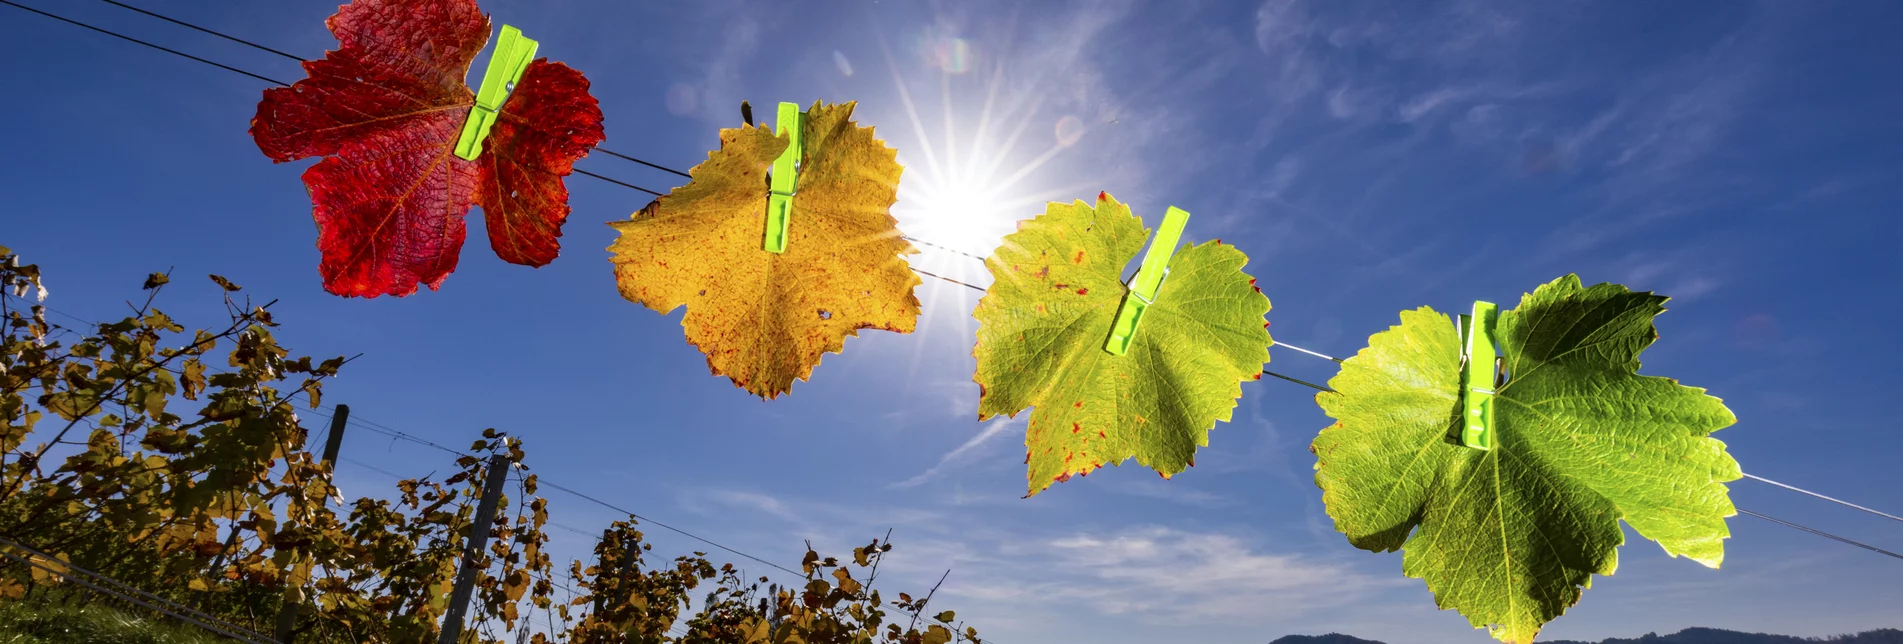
1103 196
1061 477
389 195
1083 291
1074 428
1258 376
1078 259
1079 404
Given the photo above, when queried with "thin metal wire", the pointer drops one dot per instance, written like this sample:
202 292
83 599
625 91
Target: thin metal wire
1837 501
942 247
579 171
1299 381
121 36
979 289
1285 345
401 435
557 486
617 182
209 623
650 164
1821 533
298 58
375 428
373 468
679 531
188 25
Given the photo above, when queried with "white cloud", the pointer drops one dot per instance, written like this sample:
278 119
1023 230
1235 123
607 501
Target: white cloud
1172 491
1421 105
1011 575
1160 575
754 501
995 427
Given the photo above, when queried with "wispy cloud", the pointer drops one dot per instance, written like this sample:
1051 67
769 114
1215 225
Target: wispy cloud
1171 491
995 427
1004 573
1419 106
1162 575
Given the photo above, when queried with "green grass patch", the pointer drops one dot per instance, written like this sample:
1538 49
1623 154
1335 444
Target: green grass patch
32 622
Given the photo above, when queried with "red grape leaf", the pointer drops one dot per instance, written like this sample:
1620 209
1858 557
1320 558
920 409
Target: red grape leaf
384 111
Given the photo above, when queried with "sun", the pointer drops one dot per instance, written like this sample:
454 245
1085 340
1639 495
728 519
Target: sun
973 156
956 212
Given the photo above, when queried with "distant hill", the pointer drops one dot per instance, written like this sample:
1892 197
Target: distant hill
1331 638
1687 636
1719 636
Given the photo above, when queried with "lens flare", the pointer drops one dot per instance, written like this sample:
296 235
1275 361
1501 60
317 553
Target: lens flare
946 51
1069 130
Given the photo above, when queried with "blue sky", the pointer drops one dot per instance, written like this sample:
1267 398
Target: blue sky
1370 157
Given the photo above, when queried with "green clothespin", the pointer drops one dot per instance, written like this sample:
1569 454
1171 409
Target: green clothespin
779 199
1477 357
1147 282
506 64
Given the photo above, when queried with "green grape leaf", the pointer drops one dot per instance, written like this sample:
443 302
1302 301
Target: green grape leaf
1042 327
1511 536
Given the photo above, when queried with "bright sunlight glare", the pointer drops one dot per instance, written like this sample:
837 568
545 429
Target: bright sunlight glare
958 213
965 184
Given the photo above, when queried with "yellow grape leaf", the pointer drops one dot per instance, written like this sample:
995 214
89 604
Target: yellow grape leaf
763 318
47 571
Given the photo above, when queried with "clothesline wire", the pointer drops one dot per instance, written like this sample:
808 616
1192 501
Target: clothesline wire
1747 475
274 81
188 25
617 182
947 249
378 428
1835 500
114 34
1821 533
396 434
968 285
301 59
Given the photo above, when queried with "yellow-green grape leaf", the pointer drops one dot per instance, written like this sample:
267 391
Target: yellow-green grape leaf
1511 536
1041 330
763 319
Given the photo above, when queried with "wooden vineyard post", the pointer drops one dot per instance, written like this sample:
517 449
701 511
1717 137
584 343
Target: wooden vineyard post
472 549
287 616
336 439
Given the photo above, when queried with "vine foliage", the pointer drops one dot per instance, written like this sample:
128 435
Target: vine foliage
175 461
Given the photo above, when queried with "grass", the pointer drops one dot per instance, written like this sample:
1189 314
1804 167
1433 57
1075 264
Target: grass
32 622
